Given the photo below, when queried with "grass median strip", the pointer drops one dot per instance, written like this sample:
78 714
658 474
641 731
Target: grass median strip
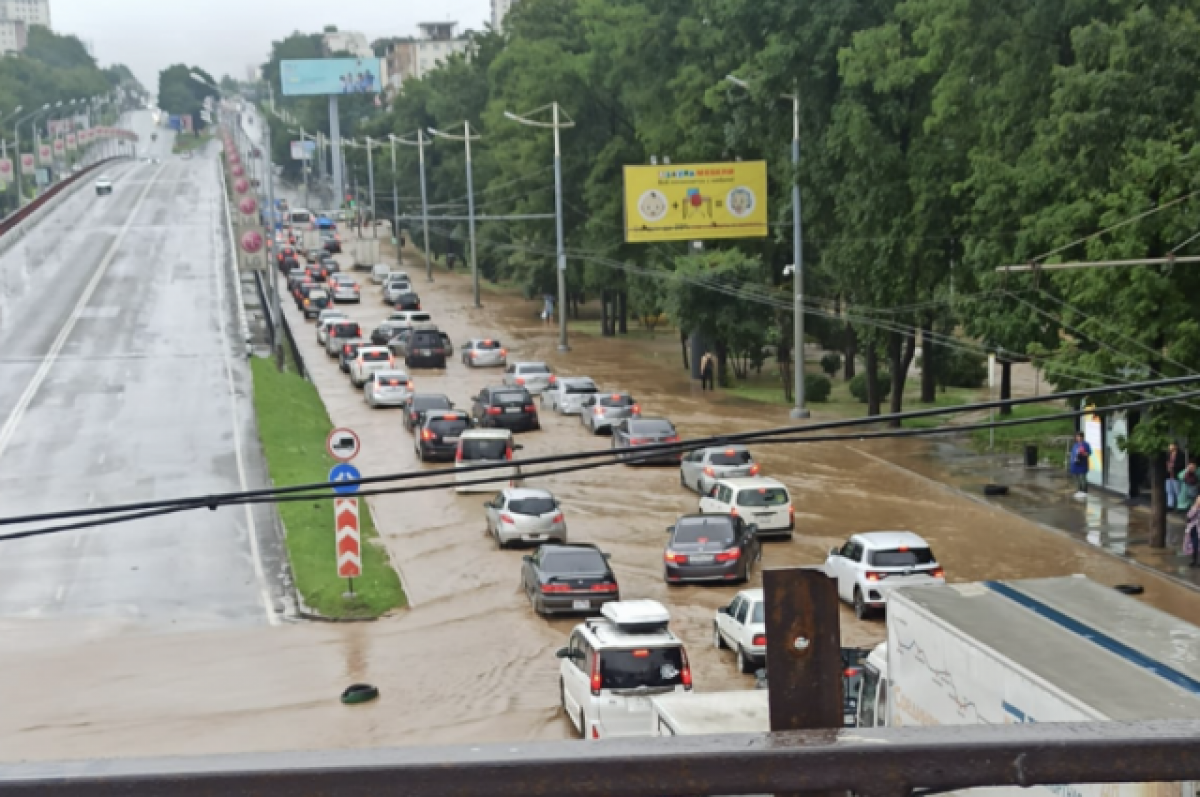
293 425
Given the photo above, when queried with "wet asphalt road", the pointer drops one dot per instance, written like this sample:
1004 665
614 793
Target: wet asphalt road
121 381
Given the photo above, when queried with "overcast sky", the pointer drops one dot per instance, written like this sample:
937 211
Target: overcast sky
226 36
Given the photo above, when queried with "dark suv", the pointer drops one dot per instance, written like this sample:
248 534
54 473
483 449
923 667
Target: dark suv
422 403
425 349
505 408
340 331
437 436
407 301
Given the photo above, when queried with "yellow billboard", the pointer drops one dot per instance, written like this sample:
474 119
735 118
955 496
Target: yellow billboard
696 201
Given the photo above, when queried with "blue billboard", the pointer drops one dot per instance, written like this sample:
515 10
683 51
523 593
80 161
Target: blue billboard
315 77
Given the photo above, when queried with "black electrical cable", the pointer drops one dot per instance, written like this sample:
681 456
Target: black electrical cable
219 499
614 457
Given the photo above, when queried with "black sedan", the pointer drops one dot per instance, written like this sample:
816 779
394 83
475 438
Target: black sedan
711 547
568 578
331 244
421 403
348 352
437 437
631 433
407 301
505 408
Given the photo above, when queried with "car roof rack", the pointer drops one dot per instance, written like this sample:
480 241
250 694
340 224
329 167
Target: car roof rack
637 616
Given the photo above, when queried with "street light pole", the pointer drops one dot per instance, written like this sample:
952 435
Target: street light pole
395 202
799 410
466 138
561 250
420 144
371 189
270 215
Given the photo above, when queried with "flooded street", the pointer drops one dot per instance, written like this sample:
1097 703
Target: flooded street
469 660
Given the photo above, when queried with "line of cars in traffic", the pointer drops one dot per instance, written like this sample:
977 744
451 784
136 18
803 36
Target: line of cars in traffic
612 662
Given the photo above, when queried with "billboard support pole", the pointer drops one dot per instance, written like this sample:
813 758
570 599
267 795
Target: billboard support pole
799 411
335 140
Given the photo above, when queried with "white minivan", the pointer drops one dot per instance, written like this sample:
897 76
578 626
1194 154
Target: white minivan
759 500
486 447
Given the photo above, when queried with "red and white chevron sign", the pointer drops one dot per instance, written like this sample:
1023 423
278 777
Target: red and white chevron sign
349 544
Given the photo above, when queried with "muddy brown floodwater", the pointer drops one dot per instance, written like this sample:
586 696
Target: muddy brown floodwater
470 661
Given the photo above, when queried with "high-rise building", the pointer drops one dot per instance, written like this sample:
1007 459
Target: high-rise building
500 9
31 12
12 36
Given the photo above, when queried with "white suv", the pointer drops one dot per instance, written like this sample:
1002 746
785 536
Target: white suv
369 360
613 664
764 502
742 625
872 564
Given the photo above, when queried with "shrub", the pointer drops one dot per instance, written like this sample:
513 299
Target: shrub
858 386
963 369
831 363
817 387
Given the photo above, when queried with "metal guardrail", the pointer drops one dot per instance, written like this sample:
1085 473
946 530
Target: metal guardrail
896 762
291 341
267 308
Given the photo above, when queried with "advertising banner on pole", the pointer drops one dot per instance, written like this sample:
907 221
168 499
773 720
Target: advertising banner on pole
45 154
28 166
323 76
6 170
72 142
60 147
303 150
692 202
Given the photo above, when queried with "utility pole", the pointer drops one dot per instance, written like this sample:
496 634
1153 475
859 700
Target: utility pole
395 203
277 333
420 144
335 140
371 187
561 250
466 138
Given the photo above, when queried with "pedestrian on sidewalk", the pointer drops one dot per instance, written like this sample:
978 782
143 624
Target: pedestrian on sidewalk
1174 460
707 366
1081 463
1191 533
1189 487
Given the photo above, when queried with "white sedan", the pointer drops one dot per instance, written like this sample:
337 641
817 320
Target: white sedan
742 626
567 396
870 565
103 186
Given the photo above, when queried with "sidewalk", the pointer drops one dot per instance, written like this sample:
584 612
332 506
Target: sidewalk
1045 496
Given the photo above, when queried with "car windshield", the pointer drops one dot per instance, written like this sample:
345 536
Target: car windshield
376 356
534 370
494 449
580 387
532 506
730 457
573 562
652 427
448 428
763 496
703 529
430 403
901 557
650 667
509 397
617 401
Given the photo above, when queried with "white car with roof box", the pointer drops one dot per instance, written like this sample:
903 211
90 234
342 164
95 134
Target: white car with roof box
612 666
742 627
369 360
762 501
389 387
698 470
566 397
872 564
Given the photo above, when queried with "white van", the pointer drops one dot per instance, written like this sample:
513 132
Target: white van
486 447
759 500
300 219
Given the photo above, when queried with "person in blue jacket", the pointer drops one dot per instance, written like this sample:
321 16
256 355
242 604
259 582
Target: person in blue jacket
1081 462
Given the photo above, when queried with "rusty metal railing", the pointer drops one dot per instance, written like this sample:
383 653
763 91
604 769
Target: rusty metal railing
894 762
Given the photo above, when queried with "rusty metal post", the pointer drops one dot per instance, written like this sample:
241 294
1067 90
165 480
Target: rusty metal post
804 655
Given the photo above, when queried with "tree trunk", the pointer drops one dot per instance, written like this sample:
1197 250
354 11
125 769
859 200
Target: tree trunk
606 323
929 356
896 364
683 347
722 351
872 364
622 313
851 353
1158 500
1005 385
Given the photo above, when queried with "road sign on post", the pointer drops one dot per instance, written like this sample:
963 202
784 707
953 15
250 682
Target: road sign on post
344 472
343 444
349 543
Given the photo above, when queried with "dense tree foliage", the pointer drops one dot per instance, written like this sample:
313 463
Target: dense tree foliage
179 94
942 139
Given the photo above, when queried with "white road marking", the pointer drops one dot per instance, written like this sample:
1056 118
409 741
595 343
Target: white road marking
255 556
18 412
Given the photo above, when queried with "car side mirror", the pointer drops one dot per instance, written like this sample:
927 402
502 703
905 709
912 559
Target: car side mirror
723 610
527 558
835 552
562 653
670 529
607 556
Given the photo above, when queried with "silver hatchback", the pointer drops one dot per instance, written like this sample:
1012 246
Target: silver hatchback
606 410
700 470
481 352
388 388
523 514
533 376
568 395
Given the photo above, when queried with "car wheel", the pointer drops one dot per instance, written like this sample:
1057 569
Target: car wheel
860 606
718 640
744 664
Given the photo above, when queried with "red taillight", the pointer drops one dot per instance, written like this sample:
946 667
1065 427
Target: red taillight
552 379
346 349
677 558
508 519
530 408
555 588
759 639
520 380
598 410
604 588
754 469
415 416
791 510
474 354
876 576
686 677
733 511
493 410
557 518
504 352
851 672
418 305
508 454
595 730
674 439
732 555
637 410
458 454
637 441
709 471
939 573
410 385
426 434
597 681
